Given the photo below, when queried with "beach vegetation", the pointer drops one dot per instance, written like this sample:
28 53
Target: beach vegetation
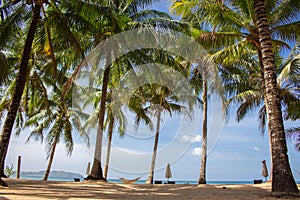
44 44
9 170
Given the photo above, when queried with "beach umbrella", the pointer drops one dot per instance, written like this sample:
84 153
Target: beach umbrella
264 172
88 169
168 173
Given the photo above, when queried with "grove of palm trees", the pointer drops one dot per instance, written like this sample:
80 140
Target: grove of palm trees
70 67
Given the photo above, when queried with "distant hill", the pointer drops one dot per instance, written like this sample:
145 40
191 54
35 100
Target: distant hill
54 174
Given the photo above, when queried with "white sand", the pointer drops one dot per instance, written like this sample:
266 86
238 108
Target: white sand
34 190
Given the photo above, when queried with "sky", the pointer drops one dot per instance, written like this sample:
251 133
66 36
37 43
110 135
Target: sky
235 150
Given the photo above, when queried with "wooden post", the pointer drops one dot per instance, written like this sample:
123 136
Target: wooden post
19 167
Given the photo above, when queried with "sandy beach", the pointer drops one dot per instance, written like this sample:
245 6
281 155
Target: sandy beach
38 190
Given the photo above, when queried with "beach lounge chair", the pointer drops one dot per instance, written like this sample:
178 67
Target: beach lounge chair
157 182
257 181
171 182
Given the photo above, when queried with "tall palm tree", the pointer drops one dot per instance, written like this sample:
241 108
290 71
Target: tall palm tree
20 83
44 29
118 16
115 118
115 115
200 76
235 30
202 177
244 87
60 121
159 98
12 57
282 178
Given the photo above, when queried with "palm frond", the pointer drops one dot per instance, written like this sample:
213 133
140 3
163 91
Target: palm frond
67 134
287 32
284 12
262 120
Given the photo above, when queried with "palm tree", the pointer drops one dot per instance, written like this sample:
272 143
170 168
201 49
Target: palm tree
202 177
115 116
288 79
20 83
56 117
199 78
282 178
244 87
118 16
49 22
159 98
11 63
235 31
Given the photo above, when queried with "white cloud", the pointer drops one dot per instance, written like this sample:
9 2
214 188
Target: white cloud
256 149
197 139
197 151
192 139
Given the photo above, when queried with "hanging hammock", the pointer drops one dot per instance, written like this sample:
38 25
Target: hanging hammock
126 181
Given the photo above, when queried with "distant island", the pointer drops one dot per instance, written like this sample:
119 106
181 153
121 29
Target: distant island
53 174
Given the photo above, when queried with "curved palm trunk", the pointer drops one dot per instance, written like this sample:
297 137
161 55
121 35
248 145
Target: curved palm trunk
20 84
47 172
2 167
110 132
151 173
202 178
96 172
282 178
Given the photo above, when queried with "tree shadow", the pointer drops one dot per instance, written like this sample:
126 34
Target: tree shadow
102 190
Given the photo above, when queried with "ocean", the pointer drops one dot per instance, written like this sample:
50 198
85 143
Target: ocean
191 182
143 181
49 179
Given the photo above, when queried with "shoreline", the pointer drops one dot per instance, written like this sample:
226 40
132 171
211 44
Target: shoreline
41 190
163 181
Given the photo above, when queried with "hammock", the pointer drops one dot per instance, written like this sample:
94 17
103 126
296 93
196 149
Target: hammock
126 181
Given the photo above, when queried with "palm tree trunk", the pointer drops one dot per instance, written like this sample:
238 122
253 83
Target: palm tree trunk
282 178
264 94
202 178
110 132
96 172
2 163
151 173
47 172
19 88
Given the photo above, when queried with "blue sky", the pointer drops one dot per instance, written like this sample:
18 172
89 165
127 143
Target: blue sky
235 149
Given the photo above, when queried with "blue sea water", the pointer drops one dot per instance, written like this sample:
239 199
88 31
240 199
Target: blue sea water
191 182
49 179
143 181
195 182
